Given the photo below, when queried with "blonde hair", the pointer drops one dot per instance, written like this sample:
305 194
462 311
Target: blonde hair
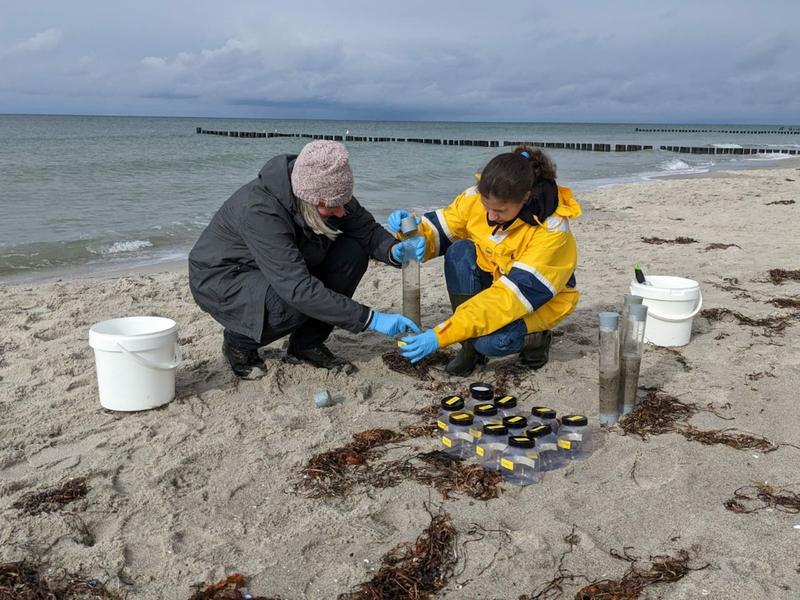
315 221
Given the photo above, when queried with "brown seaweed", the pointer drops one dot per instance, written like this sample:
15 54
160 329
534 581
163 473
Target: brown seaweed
719 246
53 499
773 324
422 370
229 588
662 569
779 276
661 241
782 499
414 570
25 580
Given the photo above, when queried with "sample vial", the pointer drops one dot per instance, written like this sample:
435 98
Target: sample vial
551 456
519 464
575 437
447 407
516 424
507 406
486 413
546 416
491 445
479 393
459 439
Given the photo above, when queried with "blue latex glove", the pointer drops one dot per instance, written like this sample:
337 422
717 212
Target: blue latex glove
391 324
419 346
415 246
396 217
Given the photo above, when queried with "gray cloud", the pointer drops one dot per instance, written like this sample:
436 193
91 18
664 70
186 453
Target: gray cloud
577 60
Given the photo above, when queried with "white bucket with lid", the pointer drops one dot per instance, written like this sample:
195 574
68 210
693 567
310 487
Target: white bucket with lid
136 359
672 303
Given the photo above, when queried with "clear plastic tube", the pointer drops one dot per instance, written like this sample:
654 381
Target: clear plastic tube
631 355
410 268
609 368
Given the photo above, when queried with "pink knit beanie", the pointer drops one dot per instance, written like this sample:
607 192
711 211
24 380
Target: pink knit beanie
322 173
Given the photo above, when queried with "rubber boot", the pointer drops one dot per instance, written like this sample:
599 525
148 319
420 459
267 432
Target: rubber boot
467 358
536 351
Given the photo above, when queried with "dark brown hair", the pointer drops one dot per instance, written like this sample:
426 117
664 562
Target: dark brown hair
509 176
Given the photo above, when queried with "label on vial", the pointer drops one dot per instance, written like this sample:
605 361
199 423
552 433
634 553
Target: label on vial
479 451
441 425
528 461
548 447
475 433
447 441
507 464
565 444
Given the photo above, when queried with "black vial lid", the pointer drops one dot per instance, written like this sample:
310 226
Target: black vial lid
495 429
521 441
515 422
540 431
505 401
481 391
452 403
485 410
575 420
461 418
543 412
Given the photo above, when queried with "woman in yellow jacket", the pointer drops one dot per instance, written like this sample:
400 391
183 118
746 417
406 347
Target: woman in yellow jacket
510 262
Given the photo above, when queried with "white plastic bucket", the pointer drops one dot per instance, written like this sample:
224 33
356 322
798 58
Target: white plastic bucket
672 303
136 358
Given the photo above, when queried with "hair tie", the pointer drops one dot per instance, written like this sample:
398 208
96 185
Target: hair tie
525 154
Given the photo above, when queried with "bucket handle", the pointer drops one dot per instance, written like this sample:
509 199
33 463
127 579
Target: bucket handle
670 318
177 359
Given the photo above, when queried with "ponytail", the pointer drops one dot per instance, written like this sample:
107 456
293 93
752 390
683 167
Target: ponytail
511 175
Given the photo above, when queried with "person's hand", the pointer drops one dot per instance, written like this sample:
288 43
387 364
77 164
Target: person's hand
419 346
396 218
391 324
415 245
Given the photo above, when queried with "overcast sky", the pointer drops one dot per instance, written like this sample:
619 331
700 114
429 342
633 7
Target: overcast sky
656 61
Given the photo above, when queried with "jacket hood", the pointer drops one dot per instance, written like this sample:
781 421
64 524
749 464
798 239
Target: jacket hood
275 177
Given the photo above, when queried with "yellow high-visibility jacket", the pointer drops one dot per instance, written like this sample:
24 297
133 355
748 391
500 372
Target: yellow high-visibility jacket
532 265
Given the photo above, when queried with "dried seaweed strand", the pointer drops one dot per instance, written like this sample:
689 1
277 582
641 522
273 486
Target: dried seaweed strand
414 570
25 580
662 569
782 499
53 499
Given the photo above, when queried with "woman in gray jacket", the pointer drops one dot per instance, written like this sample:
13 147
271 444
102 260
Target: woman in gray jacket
284 255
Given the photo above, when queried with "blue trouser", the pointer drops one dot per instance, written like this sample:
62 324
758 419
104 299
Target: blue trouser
463 276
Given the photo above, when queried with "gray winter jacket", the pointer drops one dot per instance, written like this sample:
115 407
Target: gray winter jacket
258 239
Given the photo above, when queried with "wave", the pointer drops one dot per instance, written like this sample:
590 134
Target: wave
126 246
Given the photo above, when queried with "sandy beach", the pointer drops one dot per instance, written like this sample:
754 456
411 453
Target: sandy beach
208 485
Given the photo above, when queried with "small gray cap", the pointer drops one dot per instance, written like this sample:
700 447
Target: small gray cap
638 312
632 299
609 320
408 224
322 398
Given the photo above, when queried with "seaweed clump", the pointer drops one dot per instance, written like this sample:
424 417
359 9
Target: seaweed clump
661 241
422 370
772 324
658 413
779 276
662 569
229 588
53 499
414 570
23 580
781 499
